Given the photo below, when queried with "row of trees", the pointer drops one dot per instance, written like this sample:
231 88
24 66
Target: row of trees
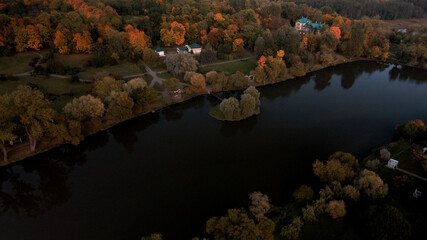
25 113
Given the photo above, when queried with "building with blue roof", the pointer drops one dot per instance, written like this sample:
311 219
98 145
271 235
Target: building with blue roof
305 25
192 48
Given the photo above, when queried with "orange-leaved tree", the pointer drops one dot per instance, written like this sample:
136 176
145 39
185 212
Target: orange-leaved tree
137 39
336 31
83 42
172 34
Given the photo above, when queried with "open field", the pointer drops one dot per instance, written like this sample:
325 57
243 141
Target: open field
73 60
60 90
17 63
125 68
230 68
406 23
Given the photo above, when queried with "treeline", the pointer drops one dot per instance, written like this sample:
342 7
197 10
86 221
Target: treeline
387 10
26 115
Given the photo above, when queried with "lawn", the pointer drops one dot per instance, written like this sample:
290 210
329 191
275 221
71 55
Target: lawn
73 60
63 89
125 68
17 63
165 75
230 68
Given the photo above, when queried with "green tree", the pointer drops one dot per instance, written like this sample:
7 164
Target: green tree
144 96
33 111
230 108
150 56
172 84
237 81
84 108
120 105
247 105
7 126
103 88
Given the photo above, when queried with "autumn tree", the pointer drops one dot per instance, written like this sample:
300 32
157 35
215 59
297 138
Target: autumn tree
137 39
216 81
134 84
179 63
412 129
260 204
102 88
371 185
172 34
336 31
150 56
84 108
339 166
292 230
34 38
385 154
119 105
303 193
83 42
336 209
7 126
172 84
33 111
61 43
236 224
198 83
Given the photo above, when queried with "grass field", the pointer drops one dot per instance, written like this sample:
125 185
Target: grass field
73 60
55 86
125 68
17 63
165 75
230 68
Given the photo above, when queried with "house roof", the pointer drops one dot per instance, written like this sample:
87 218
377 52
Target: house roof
317 26
304 20
183 48
195 45
158 49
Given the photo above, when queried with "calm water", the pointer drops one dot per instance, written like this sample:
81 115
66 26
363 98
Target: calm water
172 170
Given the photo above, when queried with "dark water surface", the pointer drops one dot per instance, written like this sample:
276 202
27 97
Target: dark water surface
172 170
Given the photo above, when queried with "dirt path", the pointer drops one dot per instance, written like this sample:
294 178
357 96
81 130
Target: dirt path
412 174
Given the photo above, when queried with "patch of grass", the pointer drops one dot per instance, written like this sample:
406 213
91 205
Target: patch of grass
51 85
125 68
17 63
158 87
73 60
216 113
230 68
165 75
148 78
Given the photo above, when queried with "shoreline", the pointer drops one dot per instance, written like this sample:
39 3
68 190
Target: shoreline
157 105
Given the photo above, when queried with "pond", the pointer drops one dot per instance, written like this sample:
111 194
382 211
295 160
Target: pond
172 170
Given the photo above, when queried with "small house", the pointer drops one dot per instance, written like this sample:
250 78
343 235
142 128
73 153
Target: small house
392 163
182 49
192 48
305 25
160 51
417 193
